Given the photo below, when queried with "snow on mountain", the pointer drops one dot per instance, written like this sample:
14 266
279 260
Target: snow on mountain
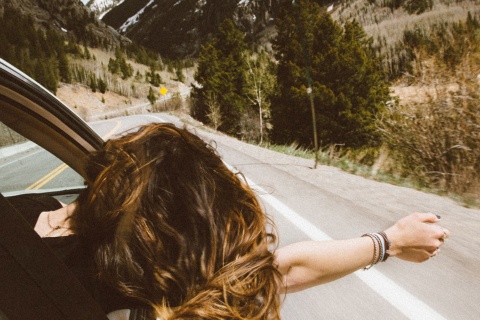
101 7
133 19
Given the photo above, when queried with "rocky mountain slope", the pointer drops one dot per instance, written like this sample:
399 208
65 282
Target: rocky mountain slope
178 27
101 7
70 17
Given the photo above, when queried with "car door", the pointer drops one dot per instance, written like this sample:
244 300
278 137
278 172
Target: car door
40 138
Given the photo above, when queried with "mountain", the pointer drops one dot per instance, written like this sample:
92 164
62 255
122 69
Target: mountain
101 7
69 17
176 28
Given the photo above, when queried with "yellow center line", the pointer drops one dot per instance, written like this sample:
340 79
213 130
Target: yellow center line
55 172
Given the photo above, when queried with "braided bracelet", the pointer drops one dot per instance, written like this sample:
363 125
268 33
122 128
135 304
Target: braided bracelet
375 259
381 244
387 245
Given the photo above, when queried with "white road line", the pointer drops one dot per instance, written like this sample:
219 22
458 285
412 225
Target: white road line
397 296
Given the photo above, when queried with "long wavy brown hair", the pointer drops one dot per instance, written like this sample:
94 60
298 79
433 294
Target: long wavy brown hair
173 228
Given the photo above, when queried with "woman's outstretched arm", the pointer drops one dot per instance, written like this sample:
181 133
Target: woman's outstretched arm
414 238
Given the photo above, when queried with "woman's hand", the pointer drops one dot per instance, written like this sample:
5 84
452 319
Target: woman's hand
416 237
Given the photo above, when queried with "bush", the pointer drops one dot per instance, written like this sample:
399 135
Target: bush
438 141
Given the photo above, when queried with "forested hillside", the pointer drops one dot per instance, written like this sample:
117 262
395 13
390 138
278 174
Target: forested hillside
391 24
52 42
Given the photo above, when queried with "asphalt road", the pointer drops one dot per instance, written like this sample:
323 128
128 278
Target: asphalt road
339 206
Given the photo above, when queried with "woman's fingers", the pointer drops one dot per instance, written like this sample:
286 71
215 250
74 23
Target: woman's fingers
427 217
415 255
417 237
446 234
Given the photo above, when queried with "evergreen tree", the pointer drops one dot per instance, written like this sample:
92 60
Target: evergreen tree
342 71
119 64
152 97
64 67
179 74
93 83
220 73
113 65
102 85
45 74
154 77
86 53
208 81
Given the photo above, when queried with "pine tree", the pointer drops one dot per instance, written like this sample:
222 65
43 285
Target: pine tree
86 53
208 82
220 73
339 66
155 78
44 73
291 117
64 67
93 83
152 97
179 74
102 85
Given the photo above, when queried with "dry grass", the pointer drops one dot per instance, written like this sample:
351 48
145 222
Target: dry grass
435 134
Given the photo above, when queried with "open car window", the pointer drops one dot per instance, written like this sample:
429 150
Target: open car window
27 167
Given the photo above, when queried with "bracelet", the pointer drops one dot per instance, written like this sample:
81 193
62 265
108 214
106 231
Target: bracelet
387 245
379 239
374 259
381 244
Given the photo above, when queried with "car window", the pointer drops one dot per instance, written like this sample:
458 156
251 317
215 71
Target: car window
27 167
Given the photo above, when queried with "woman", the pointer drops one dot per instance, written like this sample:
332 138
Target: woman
171 230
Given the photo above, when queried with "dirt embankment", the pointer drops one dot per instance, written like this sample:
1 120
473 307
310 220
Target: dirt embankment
95 105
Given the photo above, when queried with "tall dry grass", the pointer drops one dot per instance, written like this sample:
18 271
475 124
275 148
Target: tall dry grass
437 140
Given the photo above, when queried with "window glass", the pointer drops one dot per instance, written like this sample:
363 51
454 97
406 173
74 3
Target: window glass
26 167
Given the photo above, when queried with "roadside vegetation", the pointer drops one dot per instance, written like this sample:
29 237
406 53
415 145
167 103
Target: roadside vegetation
430 144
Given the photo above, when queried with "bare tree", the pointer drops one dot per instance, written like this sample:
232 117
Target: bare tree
260 82
214 112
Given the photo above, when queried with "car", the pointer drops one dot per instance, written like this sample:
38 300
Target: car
39 137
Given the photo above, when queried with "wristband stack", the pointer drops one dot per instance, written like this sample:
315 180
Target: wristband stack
381 245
